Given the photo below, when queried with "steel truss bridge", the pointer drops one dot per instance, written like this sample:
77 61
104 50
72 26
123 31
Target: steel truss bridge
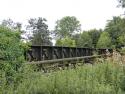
50 54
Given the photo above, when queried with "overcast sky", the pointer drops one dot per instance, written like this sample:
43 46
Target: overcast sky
91 13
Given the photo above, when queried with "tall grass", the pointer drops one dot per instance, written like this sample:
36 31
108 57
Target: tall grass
102 78
106 76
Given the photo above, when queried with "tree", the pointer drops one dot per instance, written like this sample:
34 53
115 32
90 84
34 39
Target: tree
67 26
9 23
121 40
14 26
39 30
94 34
76 38
116 28
68 42
84 40
10 44
11 54
121 3
104 40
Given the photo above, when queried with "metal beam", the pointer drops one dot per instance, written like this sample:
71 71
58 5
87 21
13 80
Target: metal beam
64 59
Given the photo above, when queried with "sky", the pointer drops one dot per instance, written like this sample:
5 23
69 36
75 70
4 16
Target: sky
91 13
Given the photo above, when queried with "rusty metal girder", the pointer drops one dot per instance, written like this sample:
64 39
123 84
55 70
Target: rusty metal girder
41 53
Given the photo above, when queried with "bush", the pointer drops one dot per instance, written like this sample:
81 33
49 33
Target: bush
10 49
11 56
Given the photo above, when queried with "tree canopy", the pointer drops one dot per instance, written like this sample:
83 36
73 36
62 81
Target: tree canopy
84 40
9 23
104 41
121 3
116 29
66 26
94 34
10 48
40 35
67 42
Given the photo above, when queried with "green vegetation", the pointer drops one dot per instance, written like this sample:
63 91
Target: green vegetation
66 27
104 40
94 35
84 40
19 78
11 57
105 77
112 35
9 44
39 30
66 42
102 78
69 28
116 30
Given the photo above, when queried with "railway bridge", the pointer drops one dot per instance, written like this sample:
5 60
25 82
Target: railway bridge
49 54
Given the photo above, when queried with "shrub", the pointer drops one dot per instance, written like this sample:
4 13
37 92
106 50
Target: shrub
11 56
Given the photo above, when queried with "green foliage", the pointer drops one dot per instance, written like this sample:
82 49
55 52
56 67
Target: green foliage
40 33
66 42
9 23
121 40
11 55
17 77
95 34
104 41
67 26
87 38
10 44
103 78
84 40
116 29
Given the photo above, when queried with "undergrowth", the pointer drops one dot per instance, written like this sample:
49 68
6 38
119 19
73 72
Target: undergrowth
101 78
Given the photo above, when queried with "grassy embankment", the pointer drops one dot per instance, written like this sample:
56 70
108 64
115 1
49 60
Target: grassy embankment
107 77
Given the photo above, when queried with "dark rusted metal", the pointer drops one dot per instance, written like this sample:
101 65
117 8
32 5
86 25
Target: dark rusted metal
64 59
42 53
